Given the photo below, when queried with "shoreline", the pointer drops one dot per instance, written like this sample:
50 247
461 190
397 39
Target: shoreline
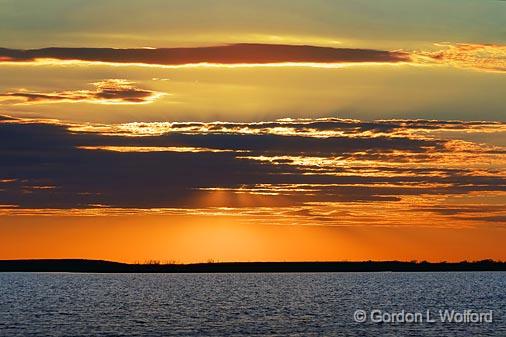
101 266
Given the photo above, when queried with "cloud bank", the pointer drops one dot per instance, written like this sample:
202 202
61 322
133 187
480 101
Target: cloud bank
309 169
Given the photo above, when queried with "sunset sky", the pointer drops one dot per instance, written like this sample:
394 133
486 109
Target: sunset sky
293 130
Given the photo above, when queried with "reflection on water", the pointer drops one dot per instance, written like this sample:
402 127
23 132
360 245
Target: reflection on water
60 304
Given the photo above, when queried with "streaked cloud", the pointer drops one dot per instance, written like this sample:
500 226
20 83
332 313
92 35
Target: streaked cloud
150 149
111 91
324 171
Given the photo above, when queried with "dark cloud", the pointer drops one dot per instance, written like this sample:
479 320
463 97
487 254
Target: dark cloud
487 213
463 209
483 57
108 91
54 165
498 218
228 54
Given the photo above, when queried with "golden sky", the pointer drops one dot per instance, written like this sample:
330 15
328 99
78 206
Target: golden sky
188 131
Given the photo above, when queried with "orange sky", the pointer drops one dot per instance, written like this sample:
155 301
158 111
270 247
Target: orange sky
199 239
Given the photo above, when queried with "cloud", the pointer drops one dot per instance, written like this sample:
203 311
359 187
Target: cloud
315 167
228 54
326 171
485 57
112 91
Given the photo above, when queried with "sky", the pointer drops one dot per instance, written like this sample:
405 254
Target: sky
253 131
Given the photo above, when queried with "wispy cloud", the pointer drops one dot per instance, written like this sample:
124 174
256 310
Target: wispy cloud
111 91
485 57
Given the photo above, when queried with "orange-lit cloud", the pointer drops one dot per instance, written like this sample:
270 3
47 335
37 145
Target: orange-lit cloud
151 149
486 57
327 171
112 91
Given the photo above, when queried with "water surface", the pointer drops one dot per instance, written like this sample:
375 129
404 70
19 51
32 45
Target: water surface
305 304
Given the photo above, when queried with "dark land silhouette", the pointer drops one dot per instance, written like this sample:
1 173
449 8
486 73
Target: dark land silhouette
100 266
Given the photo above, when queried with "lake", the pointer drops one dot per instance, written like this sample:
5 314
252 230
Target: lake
295 304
